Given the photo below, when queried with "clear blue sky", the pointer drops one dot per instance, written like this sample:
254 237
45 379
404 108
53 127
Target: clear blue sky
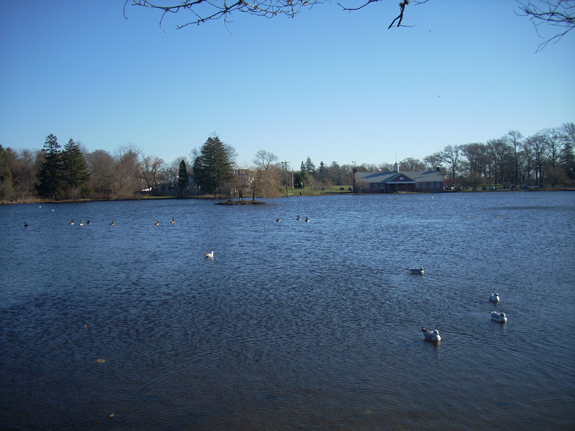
331 85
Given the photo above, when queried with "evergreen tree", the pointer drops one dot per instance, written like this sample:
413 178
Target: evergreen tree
183 180
74 169
322 172
309 166
50 181
214 166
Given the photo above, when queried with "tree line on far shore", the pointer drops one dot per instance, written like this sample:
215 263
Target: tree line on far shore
71 172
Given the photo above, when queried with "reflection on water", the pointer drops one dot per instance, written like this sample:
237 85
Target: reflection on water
291 325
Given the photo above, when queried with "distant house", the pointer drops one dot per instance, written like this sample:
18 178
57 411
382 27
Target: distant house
396 181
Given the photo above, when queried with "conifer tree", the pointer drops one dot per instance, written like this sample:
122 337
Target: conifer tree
50 182
183 180
74 169
214 166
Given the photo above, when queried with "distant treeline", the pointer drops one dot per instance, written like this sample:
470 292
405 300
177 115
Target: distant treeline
71 172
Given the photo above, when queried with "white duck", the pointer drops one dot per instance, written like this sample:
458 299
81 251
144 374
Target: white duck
211 254
494 297
431 335
416 270
498 317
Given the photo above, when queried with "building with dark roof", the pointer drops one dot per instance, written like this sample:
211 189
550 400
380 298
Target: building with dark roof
397 181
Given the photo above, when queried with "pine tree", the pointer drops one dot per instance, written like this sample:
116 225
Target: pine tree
50 181
214 166
74 169
183 180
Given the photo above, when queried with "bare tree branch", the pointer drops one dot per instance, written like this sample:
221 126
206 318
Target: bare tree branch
558 13
208 10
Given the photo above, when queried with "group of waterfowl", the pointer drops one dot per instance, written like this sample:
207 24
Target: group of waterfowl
72 223
498 317
297 218
112 223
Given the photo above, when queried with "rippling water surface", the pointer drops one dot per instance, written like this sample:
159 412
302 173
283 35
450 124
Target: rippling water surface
292 325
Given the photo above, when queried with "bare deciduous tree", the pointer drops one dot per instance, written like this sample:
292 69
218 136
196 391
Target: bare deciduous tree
450 156
102 167
128 181
151 169
264 159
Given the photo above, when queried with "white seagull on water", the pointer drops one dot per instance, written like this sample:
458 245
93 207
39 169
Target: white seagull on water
431 335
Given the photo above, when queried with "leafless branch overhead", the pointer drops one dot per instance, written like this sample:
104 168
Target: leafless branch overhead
208 10
557 13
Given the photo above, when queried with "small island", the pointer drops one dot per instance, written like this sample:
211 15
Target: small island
240 202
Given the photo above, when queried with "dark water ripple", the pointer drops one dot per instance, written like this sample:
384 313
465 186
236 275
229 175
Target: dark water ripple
292 325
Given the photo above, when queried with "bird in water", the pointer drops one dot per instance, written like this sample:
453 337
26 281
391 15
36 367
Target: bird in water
112 224
157 223
278 220
417 270
26 224
210 255
81 223
298 218
431 335
494 297
307 220
173 221
72 223
498 317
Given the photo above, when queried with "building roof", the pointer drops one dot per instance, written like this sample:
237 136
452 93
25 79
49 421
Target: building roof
395 177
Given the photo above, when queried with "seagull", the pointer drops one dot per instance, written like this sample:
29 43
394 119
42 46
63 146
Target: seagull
498 317
210 254
494 297
157 223
431 335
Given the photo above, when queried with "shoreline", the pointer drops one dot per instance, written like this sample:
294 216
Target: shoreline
251 202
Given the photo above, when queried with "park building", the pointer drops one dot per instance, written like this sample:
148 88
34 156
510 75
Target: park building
397 181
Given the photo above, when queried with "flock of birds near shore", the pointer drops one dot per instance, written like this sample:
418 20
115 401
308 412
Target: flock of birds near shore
209 255
498 317
430 335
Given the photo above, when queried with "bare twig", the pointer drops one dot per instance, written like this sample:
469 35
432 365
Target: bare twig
558 13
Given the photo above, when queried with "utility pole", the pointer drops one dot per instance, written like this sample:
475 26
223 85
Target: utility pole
287 177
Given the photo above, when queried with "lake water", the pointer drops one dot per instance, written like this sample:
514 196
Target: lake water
292 325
